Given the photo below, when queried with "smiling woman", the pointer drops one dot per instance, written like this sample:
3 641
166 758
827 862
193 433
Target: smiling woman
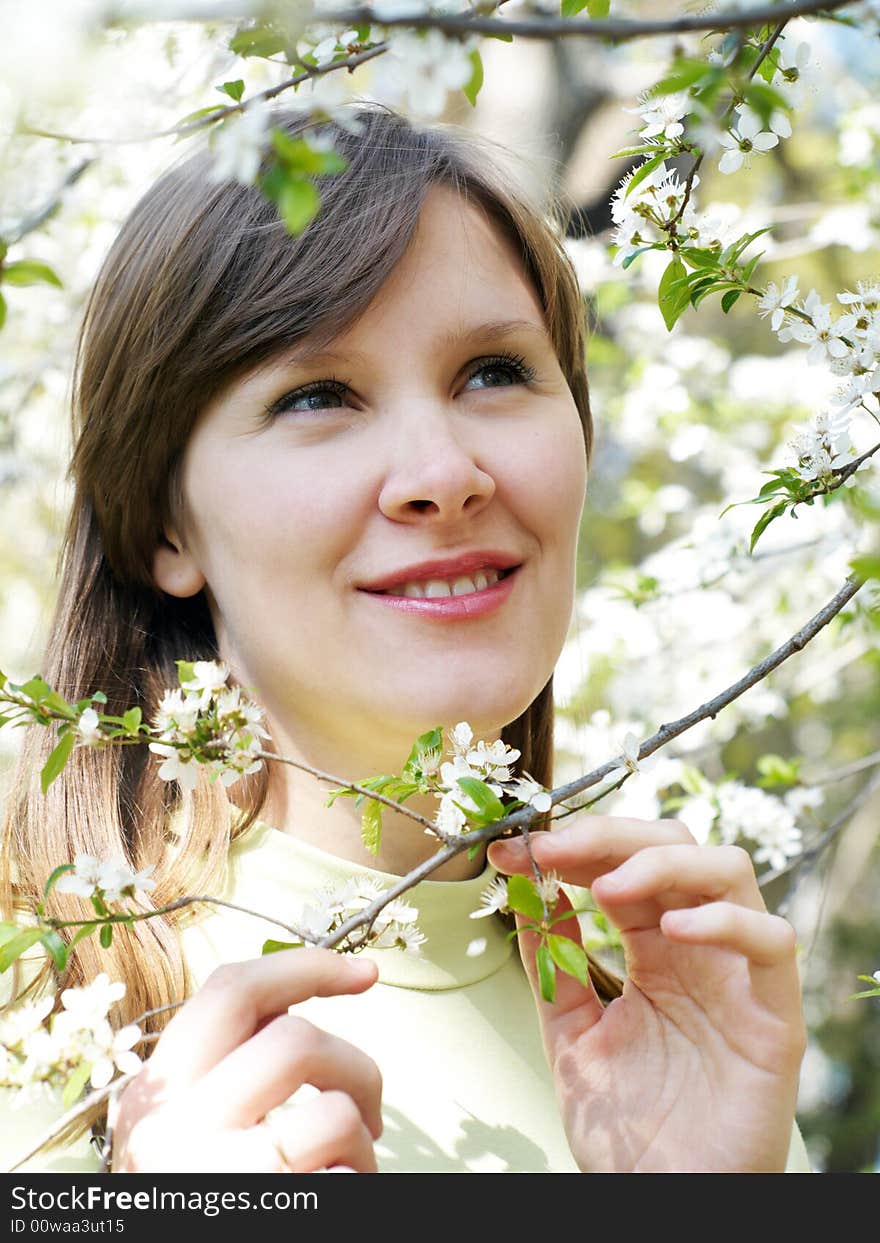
351 465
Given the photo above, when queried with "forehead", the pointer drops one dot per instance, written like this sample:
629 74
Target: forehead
460 271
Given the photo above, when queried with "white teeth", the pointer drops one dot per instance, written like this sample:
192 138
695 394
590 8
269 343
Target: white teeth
437 588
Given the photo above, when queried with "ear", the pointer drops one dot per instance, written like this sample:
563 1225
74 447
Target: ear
174 569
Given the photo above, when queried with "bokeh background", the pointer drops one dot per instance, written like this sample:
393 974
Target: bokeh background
671 607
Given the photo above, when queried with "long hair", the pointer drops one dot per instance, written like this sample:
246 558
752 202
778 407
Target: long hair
202 283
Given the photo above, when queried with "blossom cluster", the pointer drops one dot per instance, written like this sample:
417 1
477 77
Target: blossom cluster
394 926
487 762
733 812
40 1052
202 713
108 880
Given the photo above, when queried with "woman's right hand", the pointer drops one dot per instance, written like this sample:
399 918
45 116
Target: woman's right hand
231 1054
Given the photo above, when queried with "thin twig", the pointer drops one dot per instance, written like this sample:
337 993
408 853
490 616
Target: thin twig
30 223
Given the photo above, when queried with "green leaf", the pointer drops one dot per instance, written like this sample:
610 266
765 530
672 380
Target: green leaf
131 720
598 9
685 72
869 992
627 152
36 689
670 301
105 936
234 90
186 671
569 957
56 761
472 89
201 112
56 948
571 8
866 566
546 972
16 946
99 697
371 826
2 310
298 203
8 931
30 272
59 871
257 41
523 897
488 803
764 521
635 254
729 298
426 744
643 171
78 1079
272 947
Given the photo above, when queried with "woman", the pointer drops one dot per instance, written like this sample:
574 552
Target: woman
297 456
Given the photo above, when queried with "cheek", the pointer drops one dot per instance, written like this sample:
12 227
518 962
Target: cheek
548 475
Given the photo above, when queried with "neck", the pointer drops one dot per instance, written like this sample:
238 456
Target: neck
296 804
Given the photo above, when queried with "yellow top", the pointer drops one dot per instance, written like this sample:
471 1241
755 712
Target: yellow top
453 1029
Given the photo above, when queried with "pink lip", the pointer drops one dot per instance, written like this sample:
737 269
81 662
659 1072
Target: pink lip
453 608
444 567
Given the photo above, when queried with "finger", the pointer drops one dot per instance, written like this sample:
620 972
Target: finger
585 849
264 1071
237 998
326 1132
768 942
661 878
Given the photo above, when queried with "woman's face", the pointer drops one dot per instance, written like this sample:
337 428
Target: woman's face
414 440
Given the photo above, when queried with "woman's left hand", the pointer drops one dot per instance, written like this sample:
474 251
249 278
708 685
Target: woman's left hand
695 1067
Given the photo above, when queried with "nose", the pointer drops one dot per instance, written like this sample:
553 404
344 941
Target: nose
433 475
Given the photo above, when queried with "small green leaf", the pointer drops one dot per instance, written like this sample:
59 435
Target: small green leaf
75 1084
523 897
598 9
635 254
30 272
546 972
764 521
8 931
488 803
670 301
234 90
16 946
569 957
685 72
866 566
201 112
571 8
99 697
472 89
56 761
59 871
186 671
628 152
2 310
257 41
729 298
131 720
298 203
105 936
273 947
643 171
53 943
371 826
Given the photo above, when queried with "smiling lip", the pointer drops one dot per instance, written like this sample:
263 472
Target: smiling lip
452 608
447 568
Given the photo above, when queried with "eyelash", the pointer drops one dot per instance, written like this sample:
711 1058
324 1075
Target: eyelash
333 384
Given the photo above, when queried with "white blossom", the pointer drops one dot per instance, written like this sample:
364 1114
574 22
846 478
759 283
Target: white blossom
492 899
530 791
89 1005
461 736
741 140
111 878
88 727
208 676
774 302
822 334
177 767
750 813
778 122
867 294
662 114
698 813
450 819
424 67
791 65
548 888
238 144
324 51
111 1050
493 758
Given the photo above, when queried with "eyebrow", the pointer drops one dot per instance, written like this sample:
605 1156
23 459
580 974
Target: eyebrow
490 328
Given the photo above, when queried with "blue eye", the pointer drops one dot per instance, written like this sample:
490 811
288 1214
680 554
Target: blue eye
314 394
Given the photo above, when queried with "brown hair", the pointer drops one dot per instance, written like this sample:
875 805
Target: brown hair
202 283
